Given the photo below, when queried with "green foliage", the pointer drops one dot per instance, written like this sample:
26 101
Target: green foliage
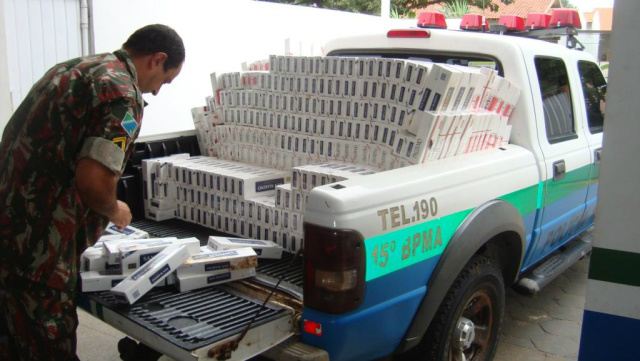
403 8
567 4
454 9
401 13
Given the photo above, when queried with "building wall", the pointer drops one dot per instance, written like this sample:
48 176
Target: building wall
6 107
37 34
218 36
612 310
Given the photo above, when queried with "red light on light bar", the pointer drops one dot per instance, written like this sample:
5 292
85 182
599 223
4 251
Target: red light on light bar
432 20
537 21
313 328
512 22
471 22
565 17
408 34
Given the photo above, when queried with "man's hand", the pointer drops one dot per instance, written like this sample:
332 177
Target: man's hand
122 217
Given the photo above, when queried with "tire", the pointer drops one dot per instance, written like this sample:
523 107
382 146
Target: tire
467 325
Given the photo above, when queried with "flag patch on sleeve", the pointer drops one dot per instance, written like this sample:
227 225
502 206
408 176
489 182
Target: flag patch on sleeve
129 124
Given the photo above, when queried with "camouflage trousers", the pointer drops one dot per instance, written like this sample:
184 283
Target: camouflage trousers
37 323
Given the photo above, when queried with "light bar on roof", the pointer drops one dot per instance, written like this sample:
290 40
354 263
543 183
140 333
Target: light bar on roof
512 22
537 21
432 20
565 17
471 22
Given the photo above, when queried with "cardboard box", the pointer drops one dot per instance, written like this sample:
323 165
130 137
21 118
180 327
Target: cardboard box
263 249
214 261
150 274
133 257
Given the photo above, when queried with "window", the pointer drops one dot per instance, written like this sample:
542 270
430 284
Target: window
594 88
556 99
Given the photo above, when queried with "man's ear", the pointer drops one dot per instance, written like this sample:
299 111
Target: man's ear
158 59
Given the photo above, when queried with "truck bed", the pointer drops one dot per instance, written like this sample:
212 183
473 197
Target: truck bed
191 322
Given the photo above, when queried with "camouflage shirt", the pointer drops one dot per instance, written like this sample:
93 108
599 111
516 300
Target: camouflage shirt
85 107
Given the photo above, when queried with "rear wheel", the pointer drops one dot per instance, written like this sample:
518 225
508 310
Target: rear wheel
467 324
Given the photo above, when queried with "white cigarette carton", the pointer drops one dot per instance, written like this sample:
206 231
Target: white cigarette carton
94 260
426 127
263 249
214 261
129 231
296 222
187 283
110 249
150 274
441 133
133 257
96 281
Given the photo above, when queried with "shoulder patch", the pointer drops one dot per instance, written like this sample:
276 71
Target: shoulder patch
129 124
121 142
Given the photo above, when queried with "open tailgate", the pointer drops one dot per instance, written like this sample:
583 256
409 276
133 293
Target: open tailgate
201 324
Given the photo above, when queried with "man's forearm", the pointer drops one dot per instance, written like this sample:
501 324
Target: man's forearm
97 187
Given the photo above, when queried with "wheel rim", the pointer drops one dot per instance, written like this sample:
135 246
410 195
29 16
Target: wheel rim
472 336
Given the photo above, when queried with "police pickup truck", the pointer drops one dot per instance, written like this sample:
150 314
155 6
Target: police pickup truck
411 262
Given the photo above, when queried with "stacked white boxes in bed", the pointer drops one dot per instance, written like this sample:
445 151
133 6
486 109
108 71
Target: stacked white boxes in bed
272 136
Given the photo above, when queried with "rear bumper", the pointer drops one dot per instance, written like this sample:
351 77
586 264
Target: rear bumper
294 350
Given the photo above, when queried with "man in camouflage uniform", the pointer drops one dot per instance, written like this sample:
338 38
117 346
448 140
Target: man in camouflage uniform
61 156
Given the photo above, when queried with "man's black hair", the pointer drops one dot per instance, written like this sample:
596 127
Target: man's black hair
157 38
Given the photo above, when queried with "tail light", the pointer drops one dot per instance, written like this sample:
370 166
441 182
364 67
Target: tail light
334 269
408 34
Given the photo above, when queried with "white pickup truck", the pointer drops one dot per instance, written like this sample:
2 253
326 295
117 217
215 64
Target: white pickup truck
410 261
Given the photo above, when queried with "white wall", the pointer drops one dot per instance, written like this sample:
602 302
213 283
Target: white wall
5 93
218 36
34 36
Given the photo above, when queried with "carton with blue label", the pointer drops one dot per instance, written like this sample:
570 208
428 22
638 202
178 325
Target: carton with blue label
127 232
96 281
111 249
263 249
133 257
150 274
188 283
221 261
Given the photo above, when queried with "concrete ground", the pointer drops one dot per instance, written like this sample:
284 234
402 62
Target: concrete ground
546 327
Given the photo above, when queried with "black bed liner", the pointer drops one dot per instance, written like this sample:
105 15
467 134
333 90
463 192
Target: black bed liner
198 318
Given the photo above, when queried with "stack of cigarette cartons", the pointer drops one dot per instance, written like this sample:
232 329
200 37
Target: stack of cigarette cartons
210 268
309 110
158 188
92 259
114 260
312 120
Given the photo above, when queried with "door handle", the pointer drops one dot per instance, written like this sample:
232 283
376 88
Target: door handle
559 170
597 155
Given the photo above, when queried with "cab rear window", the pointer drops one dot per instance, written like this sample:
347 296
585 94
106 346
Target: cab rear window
441 58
